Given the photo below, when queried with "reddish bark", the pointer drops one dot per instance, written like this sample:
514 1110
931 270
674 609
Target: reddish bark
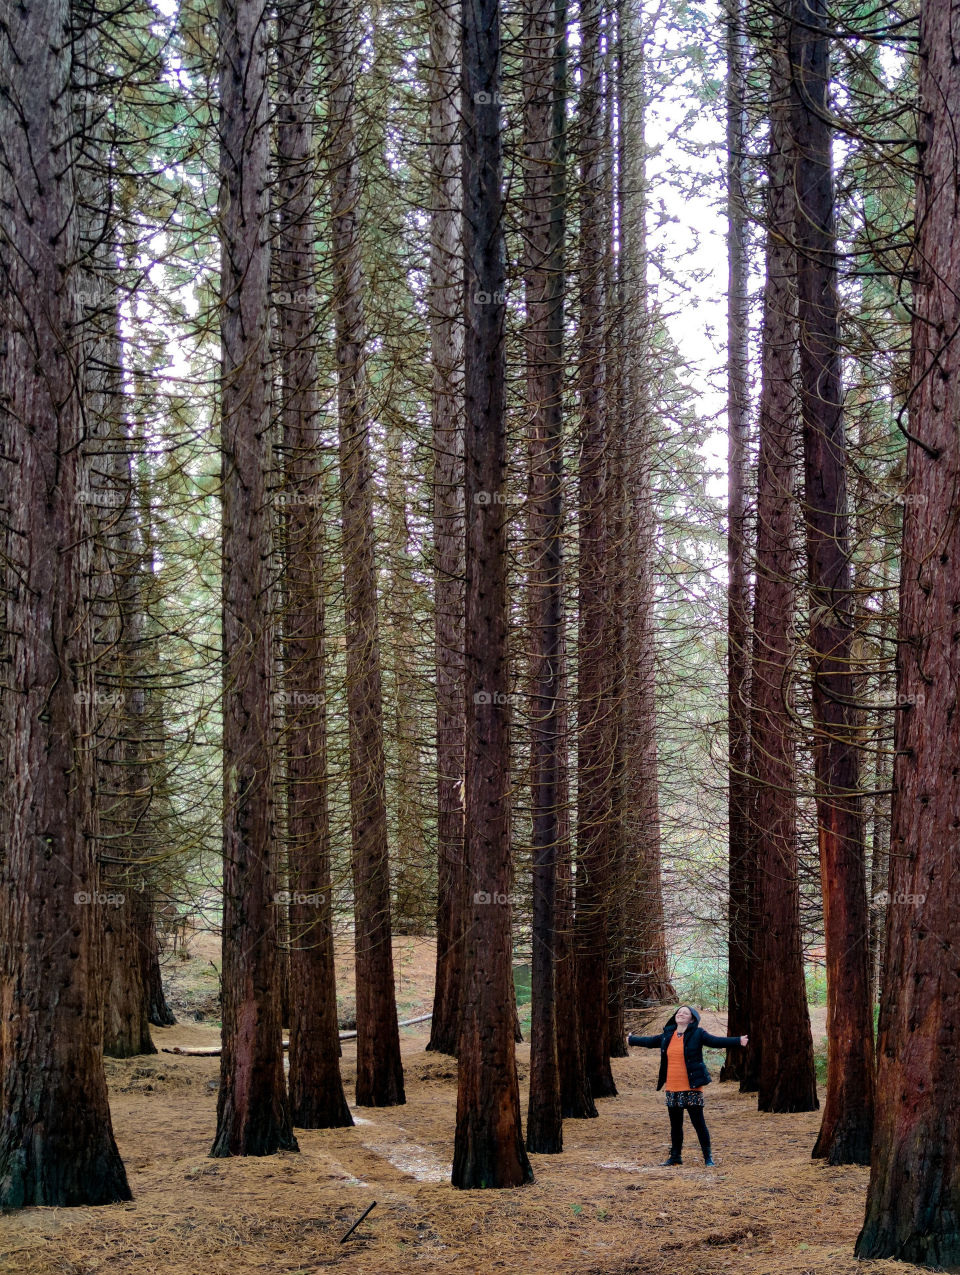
253 1115
780 1053
488 1147
544 40
159 1012
738 592
379 1068
845 1131
576 1098
317 1100
645 970
616 570
56 1140
913 1200
593 761
446 354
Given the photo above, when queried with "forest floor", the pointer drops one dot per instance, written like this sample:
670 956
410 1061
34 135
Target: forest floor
603 1207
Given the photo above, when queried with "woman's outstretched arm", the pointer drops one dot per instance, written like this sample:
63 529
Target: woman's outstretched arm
721 1042
646 1042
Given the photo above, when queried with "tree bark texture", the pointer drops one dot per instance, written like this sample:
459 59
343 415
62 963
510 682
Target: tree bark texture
379 1068
646 973
317 1099
488 1146
593 761
253 1114
56 1140
544 221
738 587
845 1131
446 356
780 1053
913 1201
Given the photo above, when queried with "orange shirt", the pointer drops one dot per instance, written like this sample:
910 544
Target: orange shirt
677 1078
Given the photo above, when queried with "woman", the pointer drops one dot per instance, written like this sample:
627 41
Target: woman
685 1073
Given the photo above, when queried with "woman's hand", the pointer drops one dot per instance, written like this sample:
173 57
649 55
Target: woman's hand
744 1039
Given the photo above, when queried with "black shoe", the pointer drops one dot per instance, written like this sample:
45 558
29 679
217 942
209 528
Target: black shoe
709 1161
674 1159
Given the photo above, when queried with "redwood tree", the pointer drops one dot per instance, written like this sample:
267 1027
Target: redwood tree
317 1100
593 761
738 588
253 1115
379 1068
488 1146
543 215
845 1131
780 1059
56 1140
446 357
576 1096
123 781
913 1203
646 973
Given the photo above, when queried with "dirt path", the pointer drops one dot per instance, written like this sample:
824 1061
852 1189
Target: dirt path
600 1208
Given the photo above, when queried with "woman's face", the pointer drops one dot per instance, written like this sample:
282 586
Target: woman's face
684 1016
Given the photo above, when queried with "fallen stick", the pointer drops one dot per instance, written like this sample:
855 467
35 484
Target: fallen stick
358 1221
214 1051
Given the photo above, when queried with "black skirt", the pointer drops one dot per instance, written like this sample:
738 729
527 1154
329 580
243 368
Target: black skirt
684 1098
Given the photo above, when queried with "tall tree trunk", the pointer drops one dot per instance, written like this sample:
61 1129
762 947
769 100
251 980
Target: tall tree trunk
126 1007
488 1146
124 788
159 1013
615 567
738 587
780 1052
646 974
544 224
253 1114
913 1200
152 730
56 1140
593 806
379 1068
845 1131
123 783
446 356
410 913
576 1098
317 1100
882 786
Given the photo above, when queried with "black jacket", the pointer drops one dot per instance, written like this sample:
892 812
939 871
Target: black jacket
694 1039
